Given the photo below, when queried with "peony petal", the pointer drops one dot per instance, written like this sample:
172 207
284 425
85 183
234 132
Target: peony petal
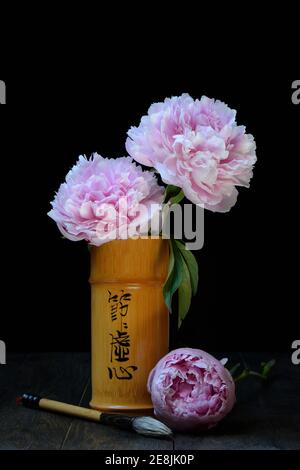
101 196
190 389
178 131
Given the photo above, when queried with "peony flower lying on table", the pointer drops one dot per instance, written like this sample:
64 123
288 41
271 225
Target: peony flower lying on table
191 390
102 198
197 146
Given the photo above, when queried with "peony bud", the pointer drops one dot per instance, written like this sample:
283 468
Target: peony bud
190 390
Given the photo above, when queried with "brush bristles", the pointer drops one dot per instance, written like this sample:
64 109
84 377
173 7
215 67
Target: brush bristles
150 427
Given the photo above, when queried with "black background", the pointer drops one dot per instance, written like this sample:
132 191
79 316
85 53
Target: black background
248 289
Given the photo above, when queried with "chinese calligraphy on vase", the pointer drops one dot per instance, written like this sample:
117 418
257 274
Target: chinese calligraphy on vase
119 368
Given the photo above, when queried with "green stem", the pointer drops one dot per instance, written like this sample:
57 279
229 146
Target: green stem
263 375
247 373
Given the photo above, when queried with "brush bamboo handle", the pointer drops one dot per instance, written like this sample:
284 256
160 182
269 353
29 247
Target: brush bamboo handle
35 402
71 410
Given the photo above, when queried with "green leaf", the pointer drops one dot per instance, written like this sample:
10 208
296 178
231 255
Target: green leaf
266 367
174 277
263 375
191 263
171 191
176 199
235 368
184 292
182 275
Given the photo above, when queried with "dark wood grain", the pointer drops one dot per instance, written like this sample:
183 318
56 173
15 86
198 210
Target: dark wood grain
280 404
266 416
57 375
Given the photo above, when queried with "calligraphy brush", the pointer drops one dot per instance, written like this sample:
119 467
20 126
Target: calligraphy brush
141 424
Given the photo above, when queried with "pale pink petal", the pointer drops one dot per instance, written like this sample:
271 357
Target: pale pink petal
198 146
190 389
102 196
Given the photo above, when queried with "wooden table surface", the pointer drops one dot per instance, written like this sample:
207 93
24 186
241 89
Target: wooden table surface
266 416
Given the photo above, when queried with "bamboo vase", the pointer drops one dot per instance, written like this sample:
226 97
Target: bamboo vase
130 322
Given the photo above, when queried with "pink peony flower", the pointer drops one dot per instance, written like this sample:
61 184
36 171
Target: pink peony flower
196 145
103 199
190 390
